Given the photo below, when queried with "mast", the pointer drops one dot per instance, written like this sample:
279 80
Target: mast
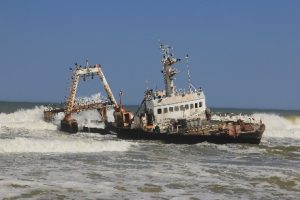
168 71
188 72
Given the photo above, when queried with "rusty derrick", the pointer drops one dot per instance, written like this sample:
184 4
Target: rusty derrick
68 124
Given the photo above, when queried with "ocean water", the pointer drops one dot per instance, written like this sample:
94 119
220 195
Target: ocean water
37 161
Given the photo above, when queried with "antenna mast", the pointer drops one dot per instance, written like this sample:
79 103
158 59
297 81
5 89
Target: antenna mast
188 72
87 62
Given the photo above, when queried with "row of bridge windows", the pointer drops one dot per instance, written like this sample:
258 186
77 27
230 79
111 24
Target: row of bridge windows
181 108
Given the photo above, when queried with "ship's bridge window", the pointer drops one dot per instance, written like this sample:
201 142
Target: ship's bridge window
191 106
159 111
196 105
176 108
181 107
165 110
171 109
186 106
200 104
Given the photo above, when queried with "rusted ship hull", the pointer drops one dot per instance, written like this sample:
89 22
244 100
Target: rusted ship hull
221 137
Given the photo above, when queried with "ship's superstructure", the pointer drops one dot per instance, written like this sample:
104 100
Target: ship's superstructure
161 106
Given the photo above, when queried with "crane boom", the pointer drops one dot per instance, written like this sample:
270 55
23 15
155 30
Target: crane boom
106 86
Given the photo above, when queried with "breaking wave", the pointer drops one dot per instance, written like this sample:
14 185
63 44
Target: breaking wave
30 119
279 126
25 131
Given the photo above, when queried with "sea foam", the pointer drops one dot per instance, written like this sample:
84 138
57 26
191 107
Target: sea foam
60 145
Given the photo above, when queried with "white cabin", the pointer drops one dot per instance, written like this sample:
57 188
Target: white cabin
178 106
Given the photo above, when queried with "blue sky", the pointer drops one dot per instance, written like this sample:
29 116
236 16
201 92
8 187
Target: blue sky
244 54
